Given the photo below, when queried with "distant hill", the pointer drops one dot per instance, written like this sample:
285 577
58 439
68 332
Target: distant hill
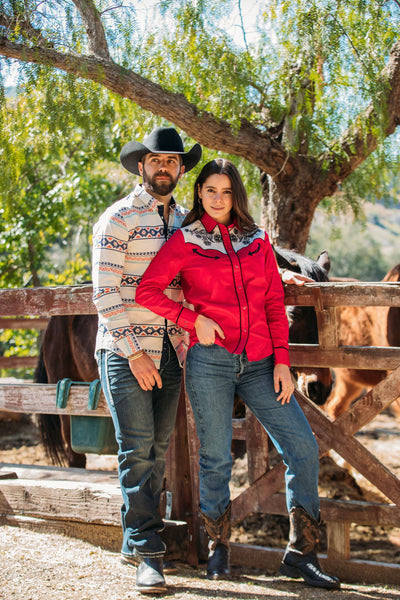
383 224
364 250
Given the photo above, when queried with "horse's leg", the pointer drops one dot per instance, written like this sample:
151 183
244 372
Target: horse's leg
49 425
393 326
394 408
349 385
346 389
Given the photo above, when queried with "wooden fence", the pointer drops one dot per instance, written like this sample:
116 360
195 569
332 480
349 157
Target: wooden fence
263 494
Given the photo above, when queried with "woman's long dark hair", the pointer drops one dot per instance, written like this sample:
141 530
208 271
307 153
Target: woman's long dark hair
240 203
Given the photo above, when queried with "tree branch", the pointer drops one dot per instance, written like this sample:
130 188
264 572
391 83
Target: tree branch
94 28
21 23
248 142
242 25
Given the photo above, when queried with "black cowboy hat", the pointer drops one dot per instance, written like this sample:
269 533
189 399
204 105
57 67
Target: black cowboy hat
162 140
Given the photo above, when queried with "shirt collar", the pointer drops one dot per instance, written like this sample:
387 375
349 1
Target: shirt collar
210 223
148 199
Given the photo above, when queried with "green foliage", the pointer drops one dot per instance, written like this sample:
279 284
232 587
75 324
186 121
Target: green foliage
57 145
310 64
304 67
375 180
18 343
75 271
333 52
204 62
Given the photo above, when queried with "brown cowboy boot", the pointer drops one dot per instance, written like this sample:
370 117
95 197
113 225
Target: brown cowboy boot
300 559
219 532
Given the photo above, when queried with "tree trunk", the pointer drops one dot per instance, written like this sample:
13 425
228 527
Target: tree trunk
287 211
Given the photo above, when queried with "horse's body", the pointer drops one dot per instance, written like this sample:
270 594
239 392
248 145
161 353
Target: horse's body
364 326
69 343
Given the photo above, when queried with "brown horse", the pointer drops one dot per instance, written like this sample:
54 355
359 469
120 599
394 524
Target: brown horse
69 343
364 326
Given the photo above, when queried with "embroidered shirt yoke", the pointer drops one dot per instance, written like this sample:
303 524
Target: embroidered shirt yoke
229 276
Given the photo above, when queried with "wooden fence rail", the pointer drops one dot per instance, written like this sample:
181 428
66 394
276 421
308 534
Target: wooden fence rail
263 493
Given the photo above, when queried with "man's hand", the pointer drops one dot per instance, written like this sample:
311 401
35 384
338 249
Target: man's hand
146 373
206 329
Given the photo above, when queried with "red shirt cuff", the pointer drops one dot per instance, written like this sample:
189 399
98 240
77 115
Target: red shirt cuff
186 319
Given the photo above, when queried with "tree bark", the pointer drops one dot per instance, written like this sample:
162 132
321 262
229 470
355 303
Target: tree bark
288 209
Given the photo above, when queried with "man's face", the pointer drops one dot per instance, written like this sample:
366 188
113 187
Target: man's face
161 173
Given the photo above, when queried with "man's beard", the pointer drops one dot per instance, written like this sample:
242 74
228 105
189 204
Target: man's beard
160 188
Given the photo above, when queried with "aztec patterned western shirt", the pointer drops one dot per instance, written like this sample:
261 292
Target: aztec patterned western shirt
125 239
229 276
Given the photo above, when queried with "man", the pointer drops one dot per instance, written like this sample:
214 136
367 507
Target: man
140 354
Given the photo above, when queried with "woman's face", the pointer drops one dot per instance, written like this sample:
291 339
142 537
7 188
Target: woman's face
216 197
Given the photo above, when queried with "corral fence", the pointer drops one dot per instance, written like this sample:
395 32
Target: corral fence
87 505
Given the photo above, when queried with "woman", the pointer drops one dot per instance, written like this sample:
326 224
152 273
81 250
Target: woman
238 344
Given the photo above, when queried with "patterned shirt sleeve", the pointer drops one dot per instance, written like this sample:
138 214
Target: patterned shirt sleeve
110 243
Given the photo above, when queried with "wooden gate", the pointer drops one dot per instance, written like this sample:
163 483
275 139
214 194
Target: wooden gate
262 495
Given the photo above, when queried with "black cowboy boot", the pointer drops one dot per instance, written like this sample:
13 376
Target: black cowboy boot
219 532
150 577
300 558
169 567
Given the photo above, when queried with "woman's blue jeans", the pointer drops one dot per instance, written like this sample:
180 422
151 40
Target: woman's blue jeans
143 421
213 376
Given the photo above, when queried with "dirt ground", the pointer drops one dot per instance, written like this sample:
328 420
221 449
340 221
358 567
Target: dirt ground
36 565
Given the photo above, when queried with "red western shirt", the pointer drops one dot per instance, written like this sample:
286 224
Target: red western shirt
227 275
